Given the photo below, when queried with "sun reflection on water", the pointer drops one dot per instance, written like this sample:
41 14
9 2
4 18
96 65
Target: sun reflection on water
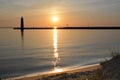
56 67
55 39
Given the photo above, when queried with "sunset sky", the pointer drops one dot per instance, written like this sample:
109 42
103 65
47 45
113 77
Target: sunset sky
72 12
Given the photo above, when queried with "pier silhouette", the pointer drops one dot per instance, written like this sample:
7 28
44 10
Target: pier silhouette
72 28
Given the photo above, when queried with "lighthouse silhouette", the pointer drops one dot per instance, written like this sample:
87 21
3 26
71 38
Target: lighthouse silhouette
22 24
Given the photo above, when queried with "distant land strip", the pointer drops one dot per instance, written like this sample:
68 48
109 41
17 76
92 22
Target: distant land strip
68 28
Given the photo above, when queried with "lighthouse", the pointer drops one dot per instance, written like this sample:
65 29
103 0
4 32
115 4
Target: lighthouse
22 24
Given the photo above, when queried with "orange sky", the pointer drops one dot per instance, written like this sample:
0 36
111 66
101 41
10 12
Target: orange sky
73 12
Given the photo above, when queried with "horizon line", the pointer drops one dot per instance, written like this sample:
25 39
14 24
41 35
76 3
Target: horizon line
118 27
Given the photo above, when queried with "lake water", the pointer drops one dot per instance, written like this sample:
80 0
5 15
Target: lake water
37 51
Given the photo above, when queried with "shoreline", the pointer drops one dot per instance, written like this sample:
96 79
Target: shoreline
35 76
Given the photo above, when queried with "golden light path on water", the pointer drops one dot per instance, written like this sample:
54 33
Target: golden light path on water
56 67
56 55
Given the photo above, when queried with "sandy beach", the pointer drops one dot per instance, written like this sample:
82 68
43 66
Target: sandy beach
54 73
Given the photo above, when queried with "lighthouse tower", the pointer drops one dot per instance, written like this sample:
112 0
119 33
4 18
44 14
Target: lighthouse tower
22 24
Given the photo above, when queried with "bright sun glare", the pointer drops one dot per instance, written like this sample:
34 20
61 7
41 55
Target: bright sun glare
58 70
55 18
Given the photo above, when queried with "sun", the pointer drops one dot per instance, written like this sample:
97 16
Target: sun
55 18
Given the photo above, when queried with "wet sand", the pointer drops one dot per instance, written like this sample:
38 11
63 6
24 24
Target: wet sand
68 71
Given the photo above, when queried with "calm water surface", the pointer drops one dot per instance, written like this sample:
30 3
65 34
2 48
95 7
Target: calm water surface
45 50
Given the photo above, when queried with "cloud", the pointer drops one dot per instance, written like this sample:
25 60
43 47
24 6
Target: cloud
65 4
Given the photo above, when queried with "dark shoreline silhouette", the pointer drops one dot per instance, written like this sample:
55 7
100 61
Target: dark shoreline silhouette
29 28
